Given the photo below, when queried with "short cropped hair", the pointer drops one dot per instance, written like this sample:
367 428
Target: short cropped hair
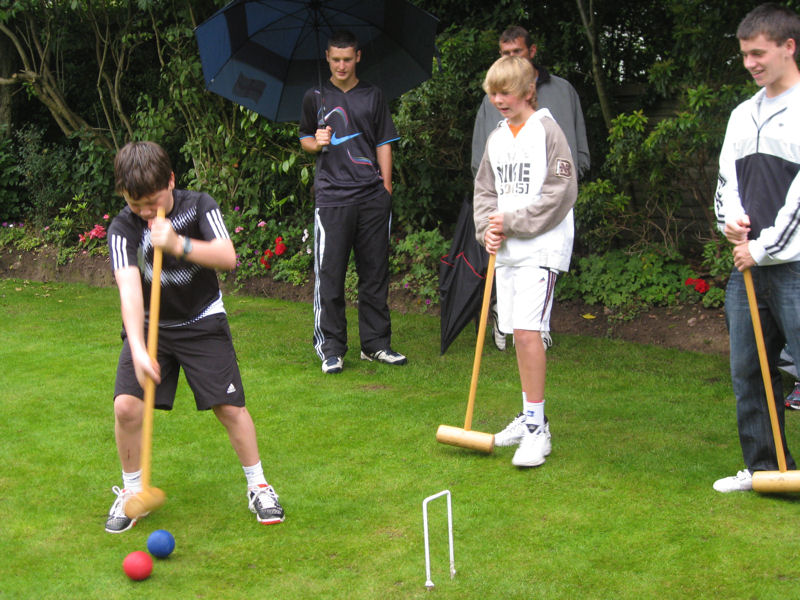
776 22
513 32
141 169
511 75
343 39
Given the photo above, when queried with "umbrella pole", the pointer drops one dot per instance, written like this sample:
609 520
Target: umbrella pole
466 438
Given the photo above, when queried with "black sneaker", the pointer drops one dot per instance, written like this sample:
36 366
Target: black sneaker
264 503
117 520
332 364
388 357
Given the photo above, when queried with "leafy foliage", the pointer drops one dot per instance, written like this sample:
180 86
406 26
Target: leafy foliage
435 123
626 282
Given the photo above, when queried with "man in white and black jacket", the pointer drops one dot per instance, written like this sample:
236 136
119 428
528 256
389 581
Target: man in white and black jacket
758 209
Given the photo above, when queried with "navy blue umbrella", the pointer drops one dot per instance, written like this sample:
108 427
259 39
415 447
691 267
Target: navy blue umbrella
462 275
264 54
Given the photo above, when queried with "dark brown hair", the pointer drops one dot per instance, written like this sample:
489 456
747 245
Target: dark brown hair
141 169
776 22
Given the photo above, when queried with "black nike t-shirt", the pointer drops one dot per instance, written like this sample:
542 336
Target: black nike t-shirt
348 173
188 291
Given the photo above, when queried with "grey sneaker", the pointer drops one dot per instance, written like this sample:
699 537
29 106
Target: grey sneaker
513 432
741 482
547 341
387 357
498 336
117 520
264 503
793 400
533 448
333 364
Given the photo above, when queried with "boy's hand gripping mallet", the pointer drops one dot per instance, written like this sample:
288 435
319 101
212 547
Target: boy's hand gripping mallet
150 498
466 438
769 481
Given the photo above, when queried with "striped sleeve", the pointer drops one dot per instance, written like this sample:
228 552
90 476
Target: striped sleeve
118 249
217 224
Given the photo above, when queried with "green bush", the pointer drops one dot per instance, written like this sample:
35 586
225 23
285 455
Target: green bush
11 207
435 121
45 171
416 258
625 283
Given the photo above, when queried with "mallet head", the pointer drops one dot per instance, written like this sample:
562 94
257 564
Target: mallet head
465 438
776 481
146 501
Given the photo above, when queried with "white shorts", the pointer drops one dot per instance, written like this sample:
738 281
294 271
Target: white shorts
524 298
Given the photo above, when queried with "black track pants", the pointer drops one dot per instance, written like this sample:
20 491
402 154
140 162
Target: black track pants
364 228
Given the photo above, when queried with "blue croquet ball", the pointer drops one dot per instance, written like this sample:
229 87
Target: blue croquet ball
160 543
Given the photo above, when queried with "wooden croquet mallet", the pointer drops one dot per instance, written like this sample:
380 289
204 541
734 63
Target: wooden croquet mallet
150 498
466 437
769 481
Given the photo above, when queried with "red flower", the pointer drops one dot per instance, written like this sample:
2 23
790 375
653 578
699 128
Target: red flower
264 260
700 285
280 248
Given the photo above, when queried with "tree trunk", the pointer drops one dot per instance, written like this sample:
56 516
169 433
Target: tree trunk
590 29
7 65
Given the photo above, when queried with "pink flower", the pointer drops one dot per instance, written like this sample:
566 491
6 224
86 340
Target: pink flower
238 229
262 223
98 232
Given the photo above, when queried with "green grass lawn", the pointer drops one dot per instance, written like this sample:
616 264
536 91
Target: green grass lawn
623 508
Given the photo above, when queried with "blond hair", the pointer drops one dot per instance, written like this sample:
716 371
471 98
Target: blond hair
511 75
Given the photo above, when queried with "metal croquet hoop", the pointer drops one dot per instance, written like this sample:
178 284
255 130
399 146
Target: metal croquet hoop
428 581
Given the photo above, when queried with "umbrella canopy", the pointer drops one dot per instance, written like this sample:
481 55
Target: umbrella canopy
462 275
264 54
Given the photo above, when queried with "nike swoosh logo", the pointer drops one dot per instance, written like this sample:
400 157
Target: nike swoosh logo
337 140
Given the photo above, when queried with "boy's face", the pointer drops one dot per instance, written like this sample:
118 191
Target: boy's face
515 108
342 62
771 64
147 207
517 47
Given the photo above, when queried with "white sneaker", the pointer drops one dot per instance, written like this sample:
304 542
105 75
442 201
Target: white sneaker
533 448
117 521
332 364
741 482
513 433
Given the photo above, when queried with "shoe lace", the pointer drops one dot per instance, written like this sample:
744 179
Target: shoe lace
265 496
518 422
118 508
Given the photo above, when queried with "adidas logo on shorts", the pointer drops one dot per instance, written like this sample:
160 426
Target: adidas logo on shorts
231 389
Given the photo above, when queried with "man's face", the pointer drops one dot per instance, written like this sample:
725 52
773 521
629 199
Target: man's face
147 207
517 47
768 62
342 62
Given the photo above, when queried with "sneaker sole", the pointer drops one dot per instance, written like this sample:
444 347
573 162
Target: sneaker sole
791 406
271 521
528 464
131 526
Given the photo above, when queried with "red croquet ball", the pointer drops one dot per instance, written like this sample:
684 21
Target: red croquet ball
138 565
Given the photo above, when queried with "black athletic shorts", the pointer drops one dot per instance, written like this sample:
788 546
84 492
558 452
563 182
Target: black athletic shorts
205 352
